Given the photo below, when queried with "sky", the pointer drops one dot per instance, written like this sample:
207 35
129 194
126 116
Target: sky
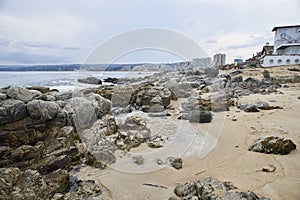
68 31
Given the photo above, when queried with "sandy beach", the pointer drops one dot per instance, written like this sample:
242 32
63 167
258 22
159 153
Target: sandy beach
230 160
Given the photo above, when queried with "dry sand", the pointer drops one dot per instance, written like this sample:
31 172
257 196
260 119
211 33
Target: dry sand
230 160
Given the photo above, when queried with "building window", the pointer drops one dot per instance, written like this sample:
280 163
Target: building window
288 61
271 61
297 61
279 61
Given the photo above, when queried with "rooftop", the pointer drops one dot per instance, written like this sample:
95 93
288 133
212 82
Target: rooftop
290 26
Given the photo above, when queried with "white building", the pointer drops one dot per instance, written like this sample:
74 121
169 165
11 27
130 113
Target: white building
219 59
203 62
286 47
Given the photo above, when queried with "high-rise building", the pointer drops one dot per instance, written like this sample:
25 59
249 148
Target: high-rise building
219 59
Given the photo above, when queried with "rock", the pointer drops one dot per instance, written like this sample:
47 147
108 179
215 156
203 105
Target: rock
101 147
254 107
156 108
57 181
26 152
249 107
90 80
237 79
175 162
200 116
134 131
156 141
30 184
83 112
47 97
150 95
273 144
211 188
86 190
266 106
182 89
2 96
19 93
111 80
102 105
12 110
294 69
86 111
185 189
42 110
266 75
52 163
42 89
139 160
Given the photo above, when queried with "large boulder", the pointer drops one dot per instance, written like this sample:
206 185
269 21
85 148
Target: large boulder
211 188
19 93
85 111
149 95
12 110
273 144
96 140
42 110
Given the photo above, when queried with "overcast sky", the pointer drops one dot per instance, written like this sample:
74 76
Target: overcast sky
66 31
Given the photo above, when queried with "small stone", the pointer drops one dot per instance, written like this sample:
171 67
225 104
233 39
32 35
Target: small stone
139 160
176 163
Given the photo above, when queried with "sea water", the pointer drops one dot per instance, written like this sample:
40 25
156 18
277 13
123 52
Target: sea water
61 80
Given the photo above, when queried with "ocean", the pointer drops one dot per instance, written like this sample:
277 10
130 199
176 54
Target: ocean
61 80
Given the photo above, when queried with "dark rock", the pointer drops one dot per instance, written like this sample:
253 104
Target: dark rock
86 190
90 80
237 79
53 163
175 162
273 144
200 116
19 93
266 74
294 69
12 110
111 80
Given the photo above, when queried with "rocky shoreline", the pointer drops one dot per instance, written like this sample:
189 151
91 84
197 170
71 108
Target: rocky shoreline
46 134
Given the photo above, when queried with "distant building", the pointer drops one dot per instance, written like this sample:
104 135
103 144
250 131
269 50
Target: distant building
267 50
219 60
201 62
286 50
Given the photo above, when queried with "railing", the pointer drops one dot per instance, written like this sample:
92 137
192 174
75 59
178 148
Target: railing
288 37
